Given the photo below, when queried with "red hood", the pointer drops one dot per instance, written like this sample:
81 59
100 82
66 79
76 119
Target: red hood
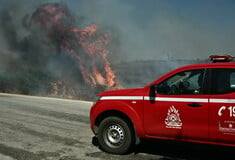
123 92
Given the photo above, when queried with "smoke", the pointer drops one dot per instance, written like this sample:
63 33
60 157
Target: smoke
31 62
162 29
147 30
47 53
31 53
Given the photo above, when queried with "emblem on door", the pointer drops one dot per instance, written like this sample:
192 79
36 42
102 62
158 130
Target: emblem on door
173 118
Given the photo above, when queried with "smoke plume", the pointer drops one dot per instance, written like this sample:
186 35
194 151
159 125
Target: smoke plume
53 54
59 47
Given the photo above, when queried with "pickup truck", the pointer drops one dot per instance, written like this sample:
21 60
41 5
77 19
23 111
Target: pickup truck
194 103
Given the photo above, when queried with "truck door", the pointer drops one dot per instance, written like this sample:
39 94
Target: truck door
222 106
179 109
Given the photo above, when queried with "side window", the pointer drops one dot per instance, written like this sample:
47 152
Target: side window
183 83
223 81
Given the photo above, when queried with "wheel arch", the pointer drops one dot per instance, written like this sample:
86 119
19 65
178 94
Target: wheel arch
110 113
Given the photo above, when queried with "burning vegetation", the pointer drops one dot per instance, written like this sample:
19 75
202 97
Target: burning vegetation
57 58
48 53
85 46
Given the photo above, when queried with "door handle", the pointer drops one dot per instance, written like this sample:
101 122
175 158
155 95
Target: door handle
194 105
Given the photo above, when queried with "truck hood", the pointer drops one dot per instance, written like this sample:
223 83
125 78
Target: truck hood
123 92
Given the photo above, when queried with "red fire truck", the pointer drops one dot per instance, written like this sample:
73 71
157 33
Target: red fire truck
194 103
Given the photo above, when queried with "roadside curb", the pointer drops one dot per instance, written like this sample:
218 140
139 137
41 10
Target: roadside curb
46 98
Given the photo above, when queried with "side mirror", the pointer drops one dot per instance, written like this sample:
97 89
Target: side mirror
153 92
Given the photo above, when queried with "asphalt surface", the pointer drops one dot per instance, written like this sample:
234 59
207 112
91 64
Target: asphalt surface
37 128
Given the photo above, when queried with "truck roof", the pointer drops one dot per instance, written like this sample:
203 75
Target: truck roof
209 65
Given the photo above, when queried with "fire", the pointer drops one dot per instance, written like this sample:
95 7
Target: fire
58 88
85 46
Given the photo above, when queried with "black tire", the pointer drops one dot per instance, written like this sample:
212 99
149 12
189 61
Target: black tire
115 135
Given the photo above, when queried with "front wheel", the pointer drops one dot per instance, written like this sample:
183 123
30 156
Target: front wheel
115 135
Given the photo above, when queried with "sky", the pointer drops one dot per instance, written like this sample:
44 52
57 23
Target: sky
160 29
150 29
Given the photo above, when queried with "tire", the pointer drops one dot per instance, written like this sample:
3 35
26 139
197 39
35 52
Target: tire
115 135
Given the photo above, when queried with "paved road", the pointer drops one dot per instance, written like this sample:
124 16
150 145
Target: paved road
36 128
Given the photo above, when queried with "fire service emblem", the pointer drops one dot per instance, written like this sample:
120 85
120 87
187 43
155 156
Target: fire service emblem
173 118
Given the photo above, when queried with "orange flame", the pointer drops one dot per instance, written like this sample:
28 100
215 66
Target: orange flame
85 46
58 88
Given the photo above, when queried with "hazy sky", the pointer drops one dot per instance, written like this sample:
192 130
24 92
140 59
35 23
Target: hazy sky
169 28
154 29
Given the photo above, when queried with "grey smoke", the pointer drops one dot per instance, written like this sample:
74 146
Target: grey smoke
159 30
141 30
146 30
